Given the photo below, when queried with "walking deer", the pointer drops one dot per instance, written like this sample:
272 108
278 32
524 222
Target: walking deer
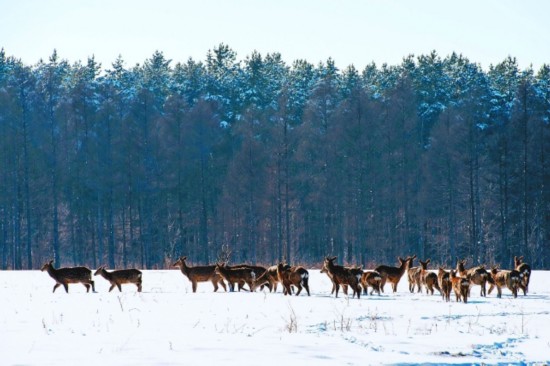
428 279
444 280
524 273
510 279
294 276
341 275
371 279
239 275
477 275
394 274
64 276
461 287
121 276
200 274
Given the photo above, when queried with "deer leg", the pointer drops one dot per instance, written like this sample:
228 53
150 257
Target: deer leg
93 285
119 287
87 285
138 286
299 289
56 286
194 286
66 285
112 287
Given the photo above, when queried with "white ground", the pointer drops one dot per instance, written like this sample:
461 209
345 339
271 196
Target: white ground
167 324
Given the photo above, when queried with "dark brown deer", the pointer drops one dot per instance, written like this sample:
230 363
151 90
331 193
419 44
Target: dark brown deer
121 276
64 276
294 276
371 279
394 274
343 276
461 287
200 274
524 274
444 281
258 271
239 275
504 278
477 275
428 279
344 286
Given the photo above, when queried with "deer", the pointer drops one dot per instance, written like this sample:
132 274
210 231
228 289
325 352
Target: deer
344 276
296 276
240 275
444 281
510 279
394 274
65 276
258 271
429 279
121 276
461 286
413 274
198 274
268 278
371 279
477 275
524 273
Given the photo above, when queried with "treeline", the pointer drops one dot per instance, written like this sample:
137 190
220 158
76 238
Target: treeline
139 165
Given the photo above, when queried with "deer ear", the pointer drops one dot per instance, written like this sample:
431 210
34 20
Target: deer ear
427 260
51 261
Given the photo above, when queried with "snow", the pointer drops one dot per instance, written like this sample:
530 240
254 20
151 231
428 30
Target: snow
167 324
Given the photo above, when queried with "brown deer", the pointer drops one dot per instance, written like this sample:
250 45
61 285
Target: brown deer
200 274
121 276
240 275
414 277
258 271
371 279
294 276
444 281
341 275
344 286
477 275
64 276
428 279
510 279
269 278
394 274
524 274
461 287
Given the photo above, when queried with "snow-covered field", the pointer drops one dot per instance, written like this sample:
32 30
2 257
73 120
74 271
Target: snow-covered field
167 324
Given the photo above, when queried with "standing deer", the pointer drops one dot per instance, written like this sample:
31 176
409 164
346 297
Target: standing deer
121 276
268 278
294 276
200 274
394 274
524 274
461 287
502 278
428 279
64 276
239 275
444 280
413 274
341 275
477 275
371 279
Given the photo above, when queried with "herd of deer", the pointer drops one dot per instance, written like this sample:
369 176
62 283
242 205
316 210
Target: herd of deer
459 280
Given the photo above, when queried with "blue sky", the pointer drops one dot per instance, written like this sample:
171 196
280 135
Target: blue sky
351 32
